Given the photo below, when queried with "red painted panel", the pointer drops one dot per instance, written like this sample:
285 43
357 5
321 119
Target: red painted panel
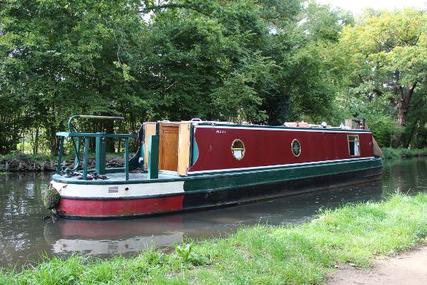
266 147
119 207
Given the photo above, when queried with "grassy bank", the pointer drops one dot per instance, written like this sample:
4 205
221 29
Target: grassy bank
299 254
397 153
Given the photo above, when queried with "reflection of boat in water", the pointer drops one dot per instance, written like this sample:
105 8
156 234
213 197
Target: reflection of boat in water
113 247
196 164
112 237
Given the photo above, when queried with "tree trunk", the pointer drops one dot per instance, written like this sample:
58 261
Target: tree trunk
53 141
403 103
405 95
36 142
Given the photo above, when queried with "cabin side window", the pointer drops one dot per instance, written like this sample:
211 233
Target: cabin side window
238 149
296 147
353 145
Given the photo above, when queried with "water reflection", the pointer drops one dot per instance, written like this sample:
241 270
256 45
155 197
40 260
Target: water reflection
25 236
406 176
21 223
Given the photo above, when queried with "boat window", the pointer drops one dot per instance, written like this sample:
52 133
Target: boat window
238 149
296 147
353 145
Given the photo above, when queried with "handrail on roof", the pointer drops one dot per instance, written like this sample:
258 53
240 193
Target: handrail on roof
69 124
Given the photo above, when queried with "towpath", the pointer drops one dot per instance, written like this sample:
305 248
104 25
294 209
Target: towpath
409 268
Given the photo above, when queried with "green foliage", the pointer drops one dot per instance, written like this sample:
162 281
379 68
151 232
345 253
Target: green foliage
383 128
261 61
386 64
301 254
58 59
245 60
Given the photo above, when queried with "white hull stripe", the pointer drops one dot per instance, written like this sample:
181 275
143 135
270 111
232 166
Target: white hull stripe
278 165
311 130
122 191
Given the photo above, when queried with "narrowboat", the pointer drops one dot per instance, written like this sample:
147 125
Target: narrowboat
199 164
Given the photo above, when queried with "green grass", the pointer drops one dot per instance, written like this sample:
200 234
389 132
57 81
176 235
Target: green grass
397 153
301 254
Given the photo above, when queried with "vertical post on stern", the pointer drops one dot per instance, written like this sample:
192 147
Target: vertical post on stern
126 159
153 157
100 153
85 158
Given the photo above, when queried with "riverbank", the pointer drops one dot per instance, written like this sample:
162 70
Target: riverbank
301 254
21 162
399 153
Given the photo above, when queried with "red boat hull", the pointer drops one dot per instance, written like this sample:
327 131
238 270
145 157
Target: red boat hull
103 208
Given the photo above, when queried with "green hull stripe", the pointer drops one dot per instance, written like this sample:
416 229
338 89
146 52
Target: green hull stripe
254 178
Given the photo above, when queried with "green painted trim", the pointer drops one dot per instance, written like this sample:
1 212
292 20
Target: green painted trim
195 153
85 158
126 159
273 167
191 144
153 157
279 175
100 155
248 177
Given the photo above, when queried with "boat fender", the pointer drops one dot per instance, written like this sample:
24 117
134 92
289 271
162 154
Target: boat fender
51 198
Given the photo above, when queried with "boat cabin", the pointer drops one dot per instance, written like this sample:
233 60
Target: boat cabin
199 147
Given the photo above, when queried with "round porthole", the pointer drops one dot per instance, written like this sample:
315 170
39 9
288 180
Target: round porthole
238 149
296 148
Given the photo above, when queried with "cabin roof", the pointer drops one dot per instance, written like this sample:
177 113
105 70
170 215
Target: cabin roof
234 125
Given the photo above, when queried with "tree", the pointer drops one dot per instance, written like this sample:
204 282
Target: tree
61 57
386 57
242 60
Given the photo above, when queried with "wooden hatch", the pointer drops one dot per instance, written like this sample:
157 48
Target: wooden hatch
168 146
174 145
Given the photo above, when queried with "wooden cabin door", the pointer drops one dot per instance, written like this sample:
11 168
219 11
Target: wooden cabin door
168 149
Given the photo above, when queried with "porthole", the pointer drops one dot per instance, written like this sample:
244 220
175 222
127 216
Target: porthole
238 149
296 147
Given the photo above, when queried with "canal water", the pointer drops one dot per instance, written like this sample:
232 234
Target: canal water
27 234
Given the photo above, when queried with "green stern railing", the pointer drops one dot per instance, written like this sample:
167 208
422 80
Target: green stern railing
100 148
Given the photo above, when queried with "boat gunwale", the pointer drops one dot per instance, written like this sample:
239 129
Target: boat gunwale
212 174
